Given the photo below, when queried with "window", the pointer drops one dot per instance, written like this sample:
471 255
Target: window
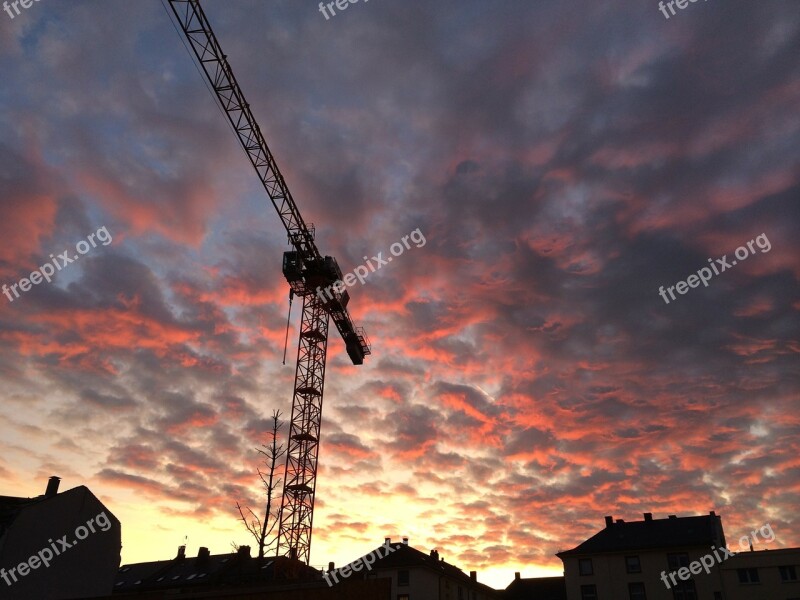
717 595
748 575
402 577
460 593
585 566
677 560
636 591
632 564
588 592
684 591
402 596
788 573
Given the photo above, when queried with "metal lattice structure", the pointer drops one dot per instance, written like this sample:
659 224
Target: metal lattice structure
305 269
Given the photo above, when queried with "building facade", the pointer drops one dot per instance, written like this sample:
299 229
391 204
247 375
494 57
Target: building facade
416 575
642 560
678 559
57 545
773 574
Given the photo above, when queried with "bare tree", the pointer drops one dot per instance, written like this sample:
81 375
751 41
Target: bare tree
261 528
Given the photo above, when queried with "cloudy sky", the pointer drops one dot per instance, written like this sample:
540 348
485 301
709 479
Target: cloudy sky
563 160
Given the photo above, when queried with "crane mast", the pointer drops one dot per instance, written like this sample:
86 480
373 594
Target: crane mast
306 270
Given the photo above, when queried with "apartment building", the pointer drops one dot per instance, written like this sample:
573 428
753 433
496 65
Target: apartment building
761 575
416 575
628 560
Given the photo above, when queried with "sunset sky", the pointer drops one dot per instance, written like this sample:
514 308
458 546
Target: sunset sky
563 160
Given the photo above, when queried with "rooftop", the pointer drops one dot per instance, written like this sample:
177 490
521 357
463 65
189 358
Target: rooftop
541 588
652 533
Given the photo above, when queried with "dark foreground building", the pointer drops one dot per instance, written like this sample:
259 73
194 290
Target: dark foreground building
680 558
236 576
57 546
414 575
536 588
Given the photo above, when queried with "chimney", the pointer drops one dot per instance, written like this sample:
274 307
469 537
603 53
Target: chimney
181 553
648 516
435 555
620 520
405 541
713 513
203 553
516 575
387 540
331 566
245 551
52 486
473 575
609 521
673 516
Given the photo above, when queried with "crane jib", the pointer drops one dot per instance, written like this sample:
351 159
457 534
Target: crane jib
306 269
219 73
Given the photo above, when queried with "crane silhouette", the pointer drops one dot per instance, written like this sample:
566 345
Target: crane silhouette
306 270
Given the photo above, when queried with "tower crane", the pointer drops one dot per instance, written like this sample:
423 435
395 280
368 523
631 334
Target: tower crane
306 270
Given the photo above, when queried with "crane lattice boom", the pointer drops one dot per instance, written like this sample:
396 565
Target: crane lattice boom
305 269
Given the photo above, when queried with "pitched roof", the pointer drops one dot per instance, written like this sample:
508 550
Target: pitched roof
651 533
9 509
405 556
12 506
541 588
210 570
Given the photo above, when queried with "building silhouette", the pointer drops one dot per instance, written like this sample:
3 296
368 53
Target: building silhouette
57 545
677 558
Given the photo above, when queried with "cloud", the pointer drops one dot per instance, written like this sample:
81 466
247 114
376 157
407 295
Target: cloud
563 162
